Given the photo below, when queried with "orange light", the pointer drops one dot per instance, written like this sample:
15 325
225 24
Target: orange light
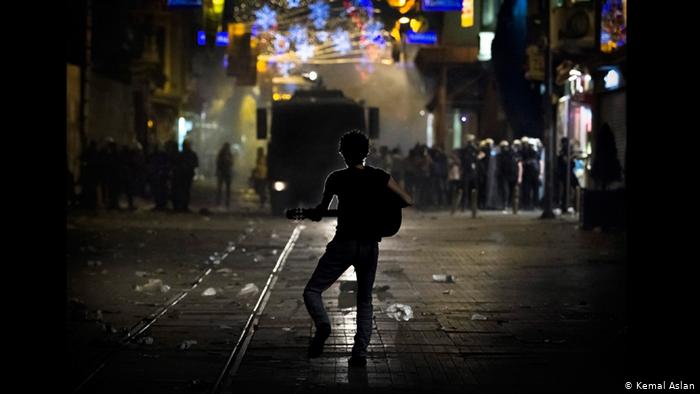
150 124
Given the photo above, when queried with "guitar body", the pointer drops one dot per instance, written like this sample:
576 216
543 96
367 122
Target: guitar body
387 213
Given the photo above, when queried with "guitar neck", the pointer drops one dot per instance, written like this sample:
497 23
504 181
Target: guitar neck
330 213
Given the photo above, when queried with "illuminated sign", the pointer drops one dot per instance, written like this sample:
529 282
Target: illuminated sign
467 13
201 38
442 5
184 3
612 79
428 38
222 39
485 40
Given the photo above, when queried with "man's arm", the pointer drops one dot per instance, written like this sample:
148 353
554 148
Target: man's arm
398 190
325 201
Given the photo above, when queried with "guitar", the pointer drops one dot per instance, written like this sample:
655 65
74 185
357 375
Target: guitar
388 219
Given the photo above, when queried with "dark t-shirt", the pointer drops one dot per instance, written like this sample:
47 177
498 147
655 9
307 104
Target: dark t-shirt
358 191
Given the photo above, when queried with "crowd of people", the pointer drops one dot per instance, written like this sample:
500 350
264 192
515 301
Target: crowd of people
496 176
482 173
112 172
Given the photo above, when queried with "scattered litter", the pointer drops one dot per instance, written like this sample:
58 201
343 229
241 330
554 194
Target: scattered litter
287 329
382 288
145 340
447 291
224 271
94 263
399 312
477 316
209 292
274 252
153 285
482 253
257 258
243 250
274 235
249 289
141 274
443 278
187 344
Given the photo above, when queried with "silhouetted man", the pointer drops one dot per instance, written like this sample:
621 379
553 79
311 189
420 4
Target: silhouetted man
356 243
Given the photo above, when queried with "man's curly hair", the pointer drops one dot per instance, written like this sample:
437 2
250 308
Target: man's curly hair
354 146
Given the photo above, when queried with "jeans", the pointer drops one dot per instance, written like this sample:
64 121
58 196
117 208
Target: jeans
341 254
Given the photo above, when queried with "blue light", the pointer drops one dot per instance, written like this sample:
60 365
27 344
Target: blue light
429 38
222 39
442 5
201 38
185 3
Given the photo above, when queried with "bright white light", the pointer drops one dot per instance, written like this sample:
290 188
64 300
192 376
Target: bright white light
422 113
313 75
574 71
279 186
464 118
485 39
612 79
429 131
404 20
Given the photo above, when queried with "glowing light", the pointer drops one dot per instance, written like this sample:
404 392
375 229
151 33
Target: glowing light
372 31
281 43
429 130
485 40
150 124
403 20
319 13
322 36
222 39
305 51
467 17
415 25
313 75
422 113
280 186
464 118
293 3
341 39
284 68
298 34
265 18
612 79
575 72
201 38
218 6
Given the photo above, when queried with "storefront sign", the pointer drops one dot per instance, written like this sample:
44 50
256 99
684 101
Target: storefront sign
612 79
429 38
442 5
467 13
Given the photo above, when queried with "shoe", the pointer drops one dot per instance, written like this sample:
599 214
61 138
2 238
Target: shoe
319 339
357 361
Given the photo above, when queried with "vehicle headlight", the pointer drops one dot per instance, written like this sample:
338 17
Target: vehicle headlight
279 186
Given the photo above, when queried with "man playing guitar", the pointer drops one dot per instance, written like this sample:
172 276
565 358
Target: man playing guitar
360 190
